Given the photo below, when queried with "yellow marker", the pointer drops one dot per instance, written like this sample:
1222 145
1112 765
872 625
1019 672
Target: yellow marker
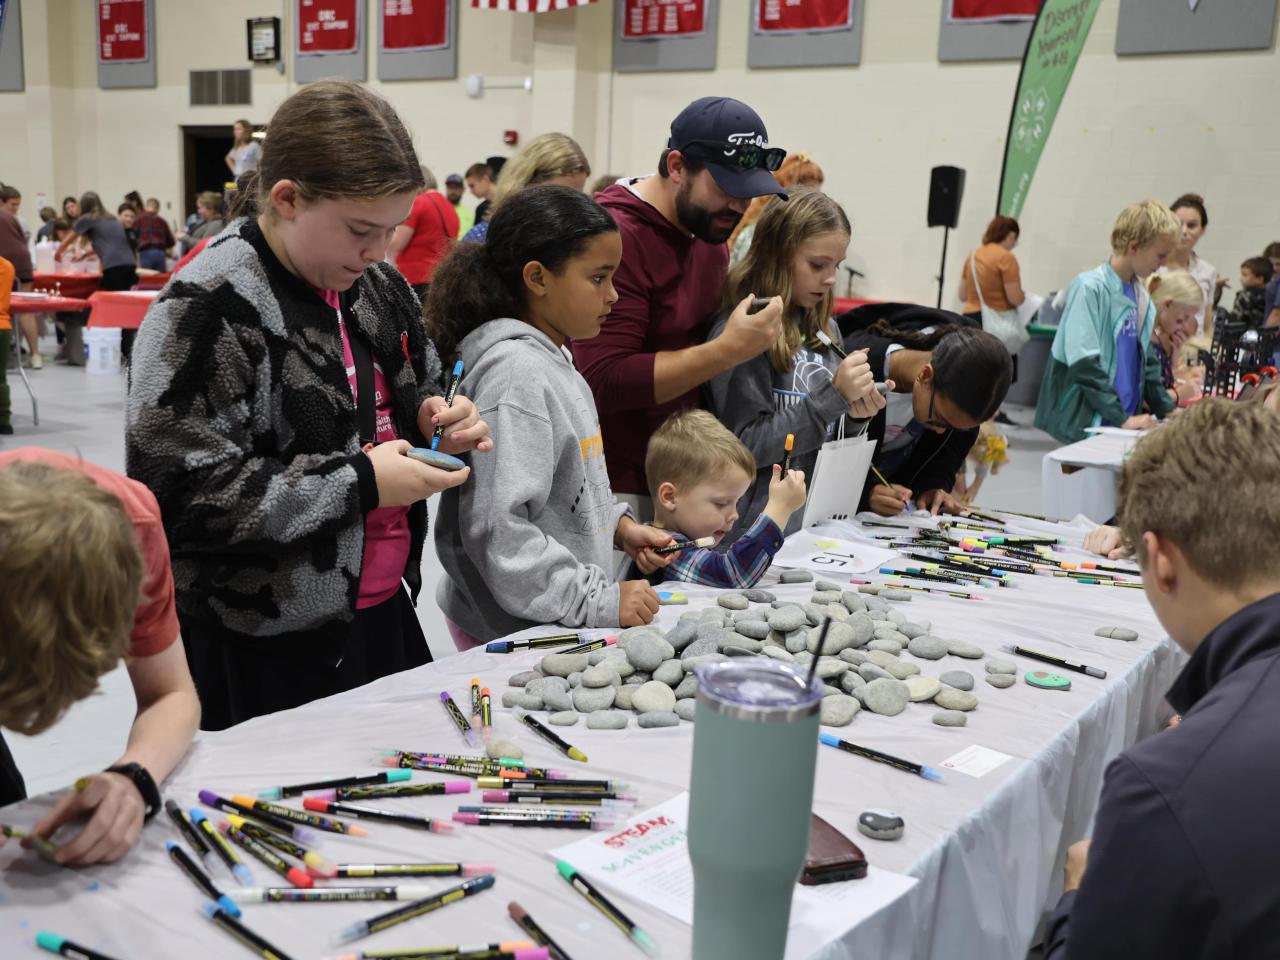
47 850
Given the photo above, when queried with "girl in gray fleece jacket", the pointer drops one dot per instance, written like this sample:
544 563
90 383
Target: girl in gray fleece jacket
530 539
799 387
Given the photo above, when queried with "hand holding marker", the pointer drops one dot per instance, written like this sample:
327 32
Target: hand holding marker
882 387
448 399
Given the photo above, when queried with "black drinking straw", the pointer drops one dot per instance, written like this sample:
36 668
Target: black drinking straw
822 643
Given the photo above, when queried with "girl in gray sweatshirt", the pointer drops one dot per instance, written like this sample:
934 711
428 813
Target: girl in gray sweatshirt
530 539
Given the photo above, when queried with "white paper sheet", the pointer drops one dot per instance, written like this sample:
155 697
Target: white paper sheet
648 860
830 555
975 761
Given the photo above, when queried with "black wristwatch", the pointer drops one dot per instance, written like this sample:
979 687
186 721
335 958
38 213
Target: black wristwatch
145 784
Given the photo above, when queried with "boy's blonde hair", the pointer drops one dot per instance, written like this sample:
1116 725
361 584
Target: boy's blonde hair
1206 481
691 447
544 157
72 570
1144 223
1176 285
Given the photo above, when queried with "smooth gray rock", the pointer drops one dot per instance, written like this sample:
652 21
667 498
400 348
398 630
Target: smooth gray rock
564 718
682 634
829 691
960 679
1002 666
625 693
756 629
504 748
897 596
950 718
796 641
648 630
778 653
775 639
869 672
649 652
555 699
880 658
838 710
822 597
759 596
575 679
826 585
670 672
1002 681
563 664
885 645
733 601
795 576
886 696
962 648
591 699
834 611
928 648
523 677
619 662
950 698
854 656
863 627
902 670
745 644
733 650
607 720
712 630
920 689
691 663
659 718
853 601
686 709
852 681
831 667
804 658
711 615
788 618
702 646
511 697
877 615
814 613
897 617
601 675
653 696
540 685
1116 633
911 630
639 677
688 687
871 589
840 636
530 701
597 657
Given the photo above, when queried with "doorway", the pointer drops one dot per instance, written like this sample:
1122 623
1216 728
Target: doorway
204 167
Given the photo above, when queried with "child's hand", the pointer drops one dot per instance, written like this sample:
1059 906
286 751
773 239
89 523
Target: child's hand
786 495
463 428
1105 541
402 482
637 540
941 501
857 385
1141 421
889 501
637 603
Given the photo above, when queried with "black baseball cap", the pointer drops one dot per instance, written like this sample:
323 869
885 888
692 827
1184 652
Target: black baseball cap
454 180
723 120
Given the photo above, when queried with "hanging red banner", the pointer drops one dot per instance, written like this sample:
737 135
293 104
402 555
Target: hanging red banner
122 31
328 26
415 24
803 16
977 11
651 19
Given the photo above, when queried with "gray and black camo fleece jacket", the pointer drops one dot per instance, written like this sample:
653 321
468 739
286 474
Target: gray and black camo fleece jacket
240 420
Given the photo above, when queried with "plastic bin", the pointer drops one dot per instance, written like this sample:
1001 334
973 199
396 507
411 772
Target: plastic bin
103 349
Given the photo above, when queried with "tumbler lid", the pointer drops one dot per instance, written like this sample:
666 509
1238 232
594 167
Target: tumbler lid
758 689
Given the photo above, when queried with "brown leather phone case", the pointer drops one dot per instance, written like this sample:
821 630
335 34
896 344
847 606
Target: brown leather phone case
832 856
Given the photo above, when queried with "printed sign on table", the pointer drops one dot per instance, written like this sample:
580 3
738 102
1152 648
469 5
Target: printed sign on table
122 31
989 11
328 26
803 16
829 555
415 24
659 19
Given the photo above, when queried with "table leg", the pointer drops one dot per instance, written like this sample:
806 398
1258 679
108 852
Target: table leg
17 355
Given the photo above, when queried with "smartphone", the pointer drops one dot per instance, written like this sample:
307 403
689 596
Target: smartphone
434 458
758 304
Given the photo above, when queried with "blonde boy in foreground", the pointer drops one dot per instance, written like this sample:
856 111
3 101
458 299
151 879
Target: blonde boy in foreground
1182 861
86 567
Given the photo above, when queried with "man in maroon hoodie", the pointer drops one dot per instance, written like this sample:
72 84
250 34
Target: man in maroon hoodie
651 357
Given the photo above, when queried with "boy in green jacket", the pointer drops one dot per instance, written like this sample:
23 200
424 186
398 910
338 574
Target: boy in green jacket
1101 369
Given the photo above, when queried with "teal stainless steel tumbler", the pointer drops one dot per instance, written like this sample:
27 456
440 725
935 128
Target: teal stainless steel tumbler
755 745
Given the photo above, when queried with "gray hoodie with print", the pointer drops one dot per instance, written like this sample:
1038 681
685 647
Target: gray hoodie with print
528 539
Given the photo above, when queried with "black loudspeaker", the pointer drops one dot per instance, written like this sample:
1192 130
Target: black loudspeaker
946 188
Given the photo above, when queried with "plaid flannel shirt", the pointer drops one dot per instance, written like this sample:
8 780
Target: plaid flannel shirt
741 566
153 231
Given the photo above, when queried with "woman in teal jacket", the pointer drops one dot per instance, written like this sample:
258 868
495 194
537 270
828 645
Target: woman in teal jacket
1102 369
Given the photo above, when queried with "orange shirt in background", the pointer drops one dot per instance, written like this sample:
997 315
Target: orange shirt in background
7 274
996 268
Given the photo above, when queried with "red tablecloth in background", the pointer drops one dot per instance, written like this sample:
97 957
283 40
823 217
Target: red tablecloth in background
120 308
23 303
841 304
73 284
152 281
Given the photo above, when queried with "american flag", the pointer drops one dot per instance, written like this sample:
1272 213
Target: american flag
529 6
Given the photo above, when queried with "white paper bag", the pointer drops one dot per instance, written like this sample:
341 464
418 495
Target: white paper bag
838 478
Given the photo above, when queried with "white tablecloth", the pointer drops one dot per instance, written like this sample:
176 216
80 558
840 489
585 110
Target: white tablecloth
987 851
1080 478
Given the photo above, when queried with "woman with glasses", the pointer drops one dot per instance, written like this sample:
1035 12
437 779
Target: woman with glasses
947 380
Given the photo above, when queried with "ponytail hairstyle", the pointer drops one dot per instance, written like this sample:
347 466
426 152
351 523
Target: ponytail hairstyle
480 282
91 206
971 367
544 157
1178 286
336 140
767 268
1192 201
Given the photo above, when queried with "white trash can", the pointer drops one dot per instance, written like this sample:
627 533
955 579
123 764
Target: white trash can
103 346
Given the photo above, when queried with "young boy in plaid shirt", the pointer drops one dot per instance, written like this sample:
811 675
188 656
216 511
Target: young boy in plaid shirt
697 472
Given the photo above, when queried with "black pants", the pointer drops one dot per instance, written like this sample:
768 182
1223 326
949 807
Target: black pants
12 787
121 278
239 677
